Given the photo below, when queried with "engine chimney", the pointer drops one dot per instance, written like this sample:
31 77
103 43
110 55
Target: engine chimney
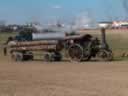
103 38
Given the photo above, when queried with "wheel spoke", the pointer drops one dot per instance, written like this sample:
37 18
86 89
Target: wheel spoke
76 52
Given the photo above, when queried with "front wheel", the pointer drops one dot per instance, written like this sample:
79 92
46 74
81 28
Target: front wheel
105 55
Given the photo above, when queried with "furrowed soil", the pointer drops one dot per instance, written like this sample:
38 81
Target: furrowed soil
38 78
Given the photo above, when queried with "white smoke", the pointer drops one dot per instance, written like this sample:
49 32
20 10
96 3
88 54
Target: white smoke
85 21
57 7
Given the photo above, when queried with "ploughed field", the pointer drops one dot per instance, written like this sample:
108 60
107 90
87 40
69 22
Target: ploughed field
38 78
93 78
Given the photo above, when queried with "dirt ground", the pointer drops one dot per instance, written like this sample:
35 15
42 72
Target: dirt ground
38 78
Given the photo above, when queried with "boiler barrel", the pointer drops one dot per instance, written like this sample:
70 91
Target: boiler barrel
103 38
48 36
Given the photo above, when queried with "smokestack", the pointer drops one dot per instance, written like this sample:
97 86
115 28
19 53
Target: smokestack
103 38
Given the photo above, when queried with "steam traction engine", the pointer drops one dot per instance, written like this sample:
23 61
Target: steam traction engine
79 47
85 47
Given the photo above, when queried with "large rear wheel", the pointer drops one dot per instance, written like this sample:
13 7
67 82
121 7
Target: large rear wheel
75 52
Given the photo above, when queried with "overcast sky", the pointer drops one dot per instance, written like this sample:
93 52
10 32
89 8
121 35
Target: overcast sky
20 11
